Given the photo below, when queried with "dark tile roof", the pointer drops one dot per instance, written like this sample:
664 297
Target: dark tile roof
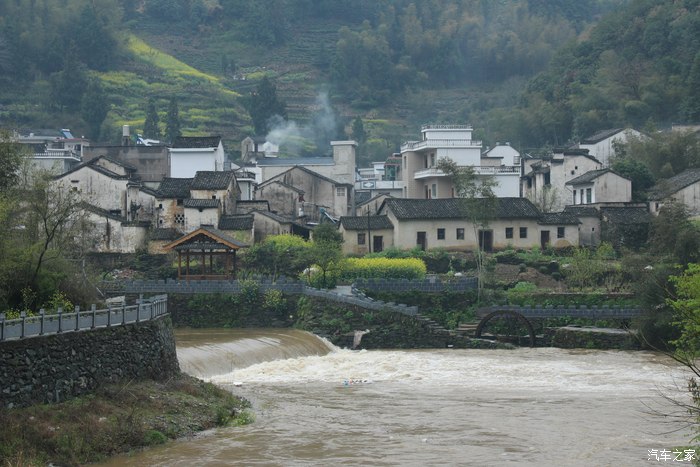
666 188
175 188
591 175
149 191
362 197
274 216
582 211
94 165
558 218
601 135
197 142
102 212
201 203
625 215
210 180
248 205
453 208
164 234
236 222
308 171
360 222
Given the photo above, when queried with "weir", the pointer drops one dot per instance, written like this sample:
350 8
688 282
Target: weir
205 353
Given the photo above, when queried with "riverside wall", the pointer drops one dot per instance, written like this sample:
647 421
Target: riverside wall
54 368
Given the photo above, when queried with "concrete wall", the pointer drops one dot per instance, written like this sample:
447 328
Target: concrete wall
150 161
58 367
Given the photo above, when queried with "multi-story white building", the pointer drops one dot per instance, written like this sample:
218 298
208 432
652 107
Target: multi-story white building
422 178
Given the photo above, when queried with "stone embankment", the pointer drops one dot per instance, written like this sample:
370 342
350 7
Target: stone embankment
53 368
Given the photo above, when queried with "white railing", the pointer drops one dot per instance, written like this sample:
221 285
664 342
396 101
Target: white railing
479 170
379 185
78 320
446 127
57 154
440 143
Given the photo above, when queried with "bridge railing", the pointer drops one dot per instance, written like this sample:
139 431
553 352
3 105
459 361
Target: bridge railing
56 323
582 311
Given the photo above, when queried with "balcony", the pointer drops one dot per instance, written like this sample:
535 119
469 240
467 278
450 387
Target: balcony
435 172
446 127
58 154
440 143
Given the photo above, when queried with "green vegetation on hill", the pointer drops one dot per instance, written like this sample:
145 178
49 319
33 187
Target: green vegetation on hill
531 72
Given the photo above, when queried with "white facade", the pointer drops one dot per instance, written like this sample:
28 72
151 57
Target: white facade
186 162
602 147
422 179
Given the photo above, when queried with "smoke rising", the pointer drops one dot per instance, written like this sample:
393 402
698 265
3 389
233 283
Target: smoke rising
312 139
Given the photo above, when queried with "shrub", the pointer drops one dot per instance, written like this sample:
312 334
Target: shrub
404 268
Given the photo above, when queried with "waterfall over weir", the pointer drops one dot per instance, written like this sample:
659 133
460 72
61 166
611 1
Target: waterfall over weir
205 353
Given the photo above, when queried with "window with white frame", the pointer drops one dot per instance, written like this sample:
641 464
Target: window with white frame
340 191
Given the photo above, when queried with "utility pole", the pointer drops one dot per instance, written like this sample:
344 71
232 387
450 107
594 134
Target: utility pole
369 233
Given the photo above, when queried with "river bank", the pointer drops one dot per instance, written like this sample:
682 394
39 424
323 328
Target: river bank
115 419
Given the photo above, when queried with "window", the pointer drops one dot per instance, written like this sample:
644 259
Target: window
340 191
441 234
179 218
523 232
560 232
589 196
460 234
213 196
509 232
574 197
179 202
361 237
433 191
547 179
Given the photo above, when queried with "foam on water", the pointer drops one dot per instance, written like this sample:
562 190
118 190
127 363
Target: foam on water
522 368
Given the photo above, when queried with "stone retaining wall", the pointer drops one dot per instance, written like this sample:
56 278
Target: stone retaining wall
429 284
55 368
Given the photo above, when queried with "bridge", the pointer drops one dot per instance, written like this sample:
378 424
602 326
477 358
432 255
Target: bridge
518 319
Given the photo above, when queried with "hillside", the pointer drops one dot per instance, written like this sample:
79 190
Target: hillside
528 71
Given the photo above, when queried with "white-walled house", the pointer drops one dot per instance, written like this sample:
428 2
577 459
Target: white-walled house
601 145
422 178
190 154
545 179
340 167
443 223
366 234
683 187
600 186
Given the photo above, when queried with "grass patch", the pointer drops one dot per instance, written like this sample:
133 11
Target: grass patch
116 419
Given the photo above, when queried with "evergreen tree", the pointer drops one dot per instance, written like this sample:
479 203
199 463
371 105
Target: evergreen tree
172 122
94 107
358 131
263 104
69 84
150 126
691 106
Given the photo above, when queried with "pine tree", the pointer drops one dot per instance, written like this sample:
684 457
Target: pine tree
172 122
94 107
150 126
264 104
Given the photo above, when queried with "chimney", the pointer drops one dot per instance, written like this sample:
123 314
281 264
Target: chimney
126 137
344 160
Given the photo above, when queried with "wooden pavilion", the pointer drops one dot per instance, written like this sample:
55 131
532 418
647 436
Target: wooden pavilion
203 246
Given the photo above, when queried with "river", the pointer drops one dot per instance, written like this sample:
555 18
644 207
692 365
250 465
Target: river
318 405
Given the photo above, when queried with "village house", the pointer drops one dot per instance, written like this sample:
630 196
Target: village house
422 178
444 223
190 154
683 187
152 163
601 145
600 186
57 151
304 195
339 167
545 179
366 234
